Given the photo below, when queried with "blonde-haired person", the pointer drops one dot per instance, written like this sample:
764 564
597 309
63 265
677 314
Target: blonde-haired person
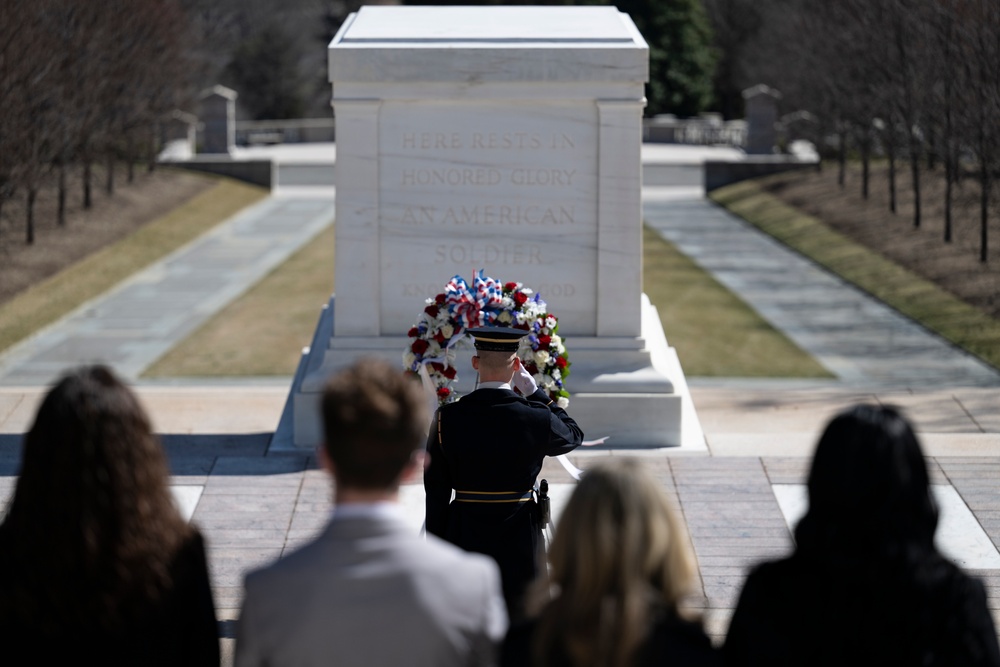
619 565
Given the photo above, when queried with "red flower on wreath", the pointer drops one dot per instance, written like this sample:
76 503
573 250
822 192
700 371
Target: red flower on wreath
449 372
461 306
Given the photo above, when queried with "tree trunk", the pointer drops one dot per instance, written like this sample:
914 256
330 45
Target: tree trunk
842 158
866 145
30 216
130 158
151 153
87 173
915 172
891 154
984 211
931 155
949 178
109 185
950 162
61 211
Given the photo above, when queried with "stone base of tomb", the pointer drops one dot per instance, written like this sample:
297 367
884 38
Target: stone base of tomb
631 390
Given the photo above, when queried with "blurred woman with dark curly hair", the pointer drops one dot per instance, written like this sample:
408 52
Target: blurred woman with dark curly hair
620 563
95 560
865 584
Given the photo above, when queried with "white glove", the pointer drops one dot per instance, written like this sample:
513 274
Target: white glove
523 382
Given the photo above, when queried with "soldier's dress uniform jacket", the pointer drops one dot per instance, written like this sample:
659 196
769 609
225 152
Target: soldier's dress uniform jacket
489 448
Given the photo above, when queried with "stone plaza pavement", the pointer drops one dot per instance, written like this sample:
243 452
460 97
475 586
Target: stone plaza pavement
737 497
254 506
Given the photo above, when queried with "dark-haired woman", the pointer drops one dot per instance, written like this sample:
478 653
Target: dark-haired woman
620 563
865 584
96 564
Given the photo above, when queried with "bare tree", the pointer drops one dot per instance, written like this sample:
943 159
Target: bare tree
981 58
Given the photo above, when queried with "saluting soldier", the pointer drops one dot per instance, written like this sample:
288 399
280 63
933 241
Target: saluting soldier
488 447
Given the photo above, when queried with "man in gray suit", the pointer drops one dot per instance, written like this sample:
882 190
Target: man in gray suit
369 591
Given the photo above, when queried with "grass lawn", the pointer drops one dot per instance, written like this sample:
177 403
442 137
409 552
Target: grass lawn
263 332
714 332
913 296
54 297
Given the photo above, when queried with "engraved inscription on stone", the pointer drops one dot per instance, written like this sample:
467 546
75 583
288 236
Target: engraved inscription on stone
502 187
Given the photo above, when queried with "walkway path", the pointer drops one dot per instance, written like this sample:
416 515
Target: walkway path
857 338
138 321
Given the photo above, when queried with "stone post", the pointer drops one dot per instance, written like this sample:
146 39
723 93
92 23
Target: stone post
762 116
217 112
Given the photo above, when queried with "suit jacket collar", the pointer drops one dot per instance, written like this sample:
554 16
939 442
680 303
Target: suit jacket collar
384 508
350 528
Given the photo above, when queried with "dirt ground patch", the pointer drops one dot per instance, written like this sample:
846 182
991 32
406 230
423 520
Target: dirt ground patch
109 219
954 266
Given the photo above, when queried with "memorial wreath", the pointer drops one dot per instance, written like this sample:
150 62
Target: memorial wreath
441 330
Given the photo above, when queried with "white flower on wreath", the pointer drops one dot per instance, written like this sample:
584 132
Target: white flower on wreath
531 314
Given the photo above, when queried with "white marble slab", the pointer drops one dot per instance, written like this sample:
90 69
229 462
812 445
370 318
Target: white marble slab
959 535
477 44
187 497
456 24
460 148
505 188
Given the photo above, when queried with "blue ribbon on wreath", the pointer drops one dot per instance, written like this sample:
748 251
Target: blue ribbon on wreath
474 307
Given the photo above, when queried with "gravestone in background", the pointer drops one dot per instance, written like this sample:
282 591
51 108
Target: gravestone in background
505 139
217 113
761 104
